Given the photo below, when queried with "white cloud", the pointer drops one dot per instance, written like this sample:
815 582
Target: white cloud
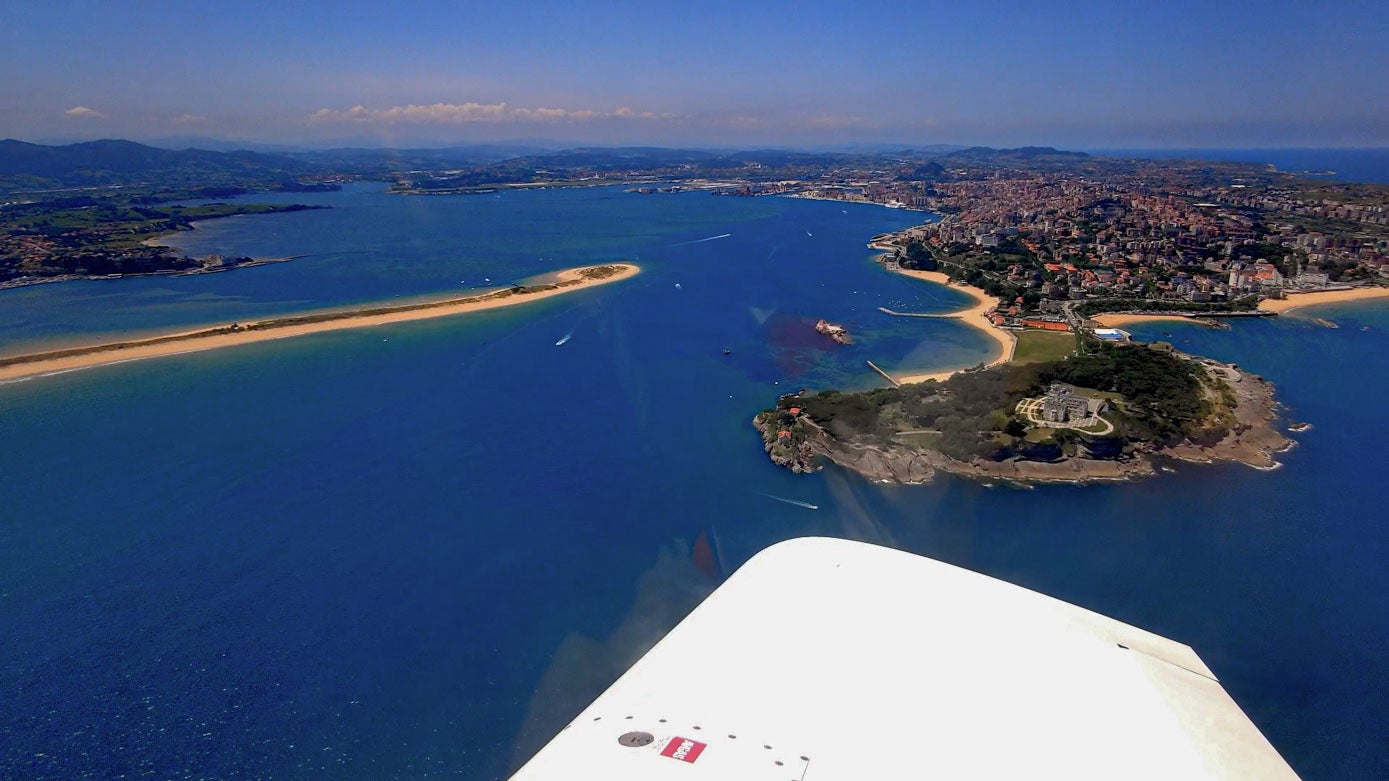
744 121
840 123
82 112
627 112
469 113
190 119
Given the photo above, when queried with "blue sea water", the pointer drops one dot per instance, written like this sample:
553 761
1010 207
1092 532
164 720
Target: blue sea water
1369 164
417 550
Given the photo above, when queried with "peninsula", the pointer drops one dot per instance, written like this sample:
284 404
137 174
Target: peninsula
1101 414
58 361
1076 403
90 237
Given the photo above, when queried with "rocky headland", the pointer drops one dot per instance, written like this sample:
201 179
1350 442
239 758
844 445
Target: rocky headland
1238 425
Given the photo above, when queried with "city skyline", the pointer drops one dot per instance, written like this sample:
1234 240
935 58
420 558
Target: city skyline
775 74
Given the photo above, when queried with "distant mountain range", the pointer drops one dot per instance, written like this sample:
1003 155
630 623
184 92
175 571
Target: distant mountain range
369 160
112 162
25 166
989 154
36 167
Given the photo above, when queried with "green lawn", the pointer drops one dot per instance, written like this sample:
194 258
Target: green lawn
923 440
1110 396
1038 346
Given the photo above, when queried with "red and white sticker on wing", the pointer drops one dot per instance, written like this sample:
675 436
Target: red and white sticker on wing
683 749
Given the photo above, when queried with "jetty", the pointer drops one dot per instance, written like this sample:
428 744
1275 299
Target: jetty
946 316
886 376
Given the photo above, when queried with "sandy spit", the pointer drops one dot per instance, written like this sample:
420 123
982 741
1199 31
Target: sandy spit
60 361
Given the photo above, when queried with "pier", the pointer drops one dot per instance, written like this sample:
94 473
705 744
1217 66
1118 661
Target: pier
886 376
894 313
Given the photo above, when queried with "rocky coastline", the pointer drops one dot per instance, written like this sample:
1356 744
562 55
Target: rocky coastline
1250 439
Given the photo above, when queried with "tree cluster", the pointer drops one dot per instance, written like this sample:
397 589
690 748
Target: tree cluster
971 414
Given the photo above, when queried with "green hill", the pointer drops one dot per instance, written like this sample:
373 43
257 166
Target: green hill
25 166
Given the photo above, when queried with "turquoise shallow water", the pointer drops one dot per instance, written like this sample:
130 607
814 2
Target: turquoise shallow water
417 550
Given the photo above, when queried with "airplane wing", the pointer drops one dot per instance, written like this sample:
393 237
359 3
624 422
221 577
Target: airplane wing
828 659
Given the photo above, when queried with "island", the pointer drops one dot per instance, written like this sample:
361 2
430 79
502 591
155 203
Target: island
835 332
1102 413
59 361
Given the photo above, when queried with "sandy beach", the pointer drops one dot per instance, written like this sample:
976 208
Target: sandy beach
1313 298
1115 320
973 316
57 361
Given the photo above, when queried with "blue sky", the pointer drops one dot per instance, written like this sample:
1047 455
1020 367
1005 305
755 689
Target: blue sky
1078 75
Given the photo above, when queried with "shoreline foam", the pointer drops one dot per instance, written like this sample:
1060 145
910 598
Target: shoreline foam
62 361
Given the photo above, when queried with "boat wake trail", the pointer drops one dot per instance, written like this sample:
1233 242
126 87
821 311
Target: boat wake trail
700 241
797 502
565 338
